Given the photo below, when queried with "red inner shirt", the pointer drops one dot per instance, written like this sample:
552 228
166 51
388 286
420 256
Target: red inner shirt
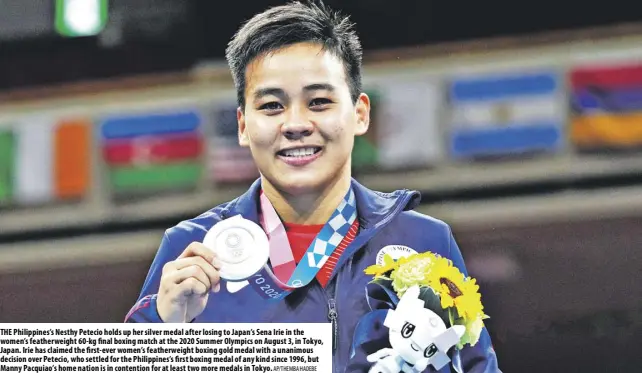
301 236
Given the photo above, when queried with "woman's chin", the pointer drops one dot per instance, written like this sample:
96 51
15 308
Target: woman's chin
301 184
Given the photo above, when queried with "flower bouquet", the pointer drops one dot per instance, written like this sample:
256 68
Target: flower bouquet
433 307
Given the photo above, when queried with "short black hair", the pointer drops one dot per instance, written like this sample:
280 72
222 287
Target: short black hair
293 23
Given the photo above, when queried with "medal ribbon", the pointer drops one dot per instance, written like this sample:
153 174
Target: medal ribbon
285 275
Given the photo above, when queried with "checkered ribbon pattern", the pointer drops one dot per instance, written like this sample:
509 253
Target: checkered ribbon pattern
285 275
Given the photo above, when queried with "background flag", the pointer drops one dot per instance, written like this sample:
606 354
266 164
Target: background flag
607 107
45 159
504 114
151 152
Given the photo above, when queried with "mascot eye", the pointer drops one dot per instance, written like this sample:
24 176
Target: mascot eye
407 330
430 350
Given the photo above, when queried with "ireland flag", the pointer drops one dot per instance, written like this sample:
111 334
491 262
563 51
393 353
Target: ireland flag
44 159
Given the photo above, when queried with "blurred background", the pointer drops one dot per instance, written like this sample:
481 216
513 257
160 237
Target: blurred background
520 122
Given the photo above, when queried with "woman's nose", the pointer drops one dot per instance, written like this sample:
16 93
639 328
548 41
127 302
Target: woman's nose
297 127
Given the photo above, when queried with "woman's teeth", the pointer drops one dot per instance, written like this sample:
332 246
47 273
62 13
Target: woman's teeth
301 152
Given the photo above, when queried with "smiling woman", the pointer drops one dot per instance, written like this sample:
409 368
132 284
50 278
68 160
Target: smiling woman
300 122
297 74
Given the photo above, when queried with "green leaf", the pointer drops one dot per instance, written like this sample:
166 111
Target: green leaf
433 302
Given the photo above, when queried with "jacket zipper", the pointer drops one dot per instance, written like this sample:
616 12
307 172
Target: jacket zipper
333 316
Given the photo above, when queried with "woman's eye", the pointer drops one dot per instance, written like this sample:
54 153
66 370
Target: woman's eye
320 102
271 106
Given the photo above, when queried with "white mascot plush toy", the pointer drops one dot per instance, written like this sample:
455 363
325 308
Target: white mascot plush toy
418 337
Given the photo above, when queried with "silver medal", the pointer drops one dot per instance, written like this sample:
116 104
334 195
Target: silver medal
241 245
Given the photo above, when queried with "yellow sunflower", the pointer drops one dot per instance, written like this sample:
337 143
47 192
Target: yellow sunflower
377 270
459 295
455 290
469 304
447 280
473 317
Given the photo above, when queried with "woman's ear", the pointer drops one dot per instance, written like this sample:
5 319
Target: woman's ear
362 111
240 118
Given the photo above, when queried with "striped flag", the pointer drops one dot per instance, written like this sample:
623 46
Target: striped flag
505 114
228 161
151 152
607 107
43 160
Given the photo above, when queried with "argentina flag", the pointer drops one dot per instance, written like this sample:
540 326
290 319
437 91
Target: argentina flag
506 114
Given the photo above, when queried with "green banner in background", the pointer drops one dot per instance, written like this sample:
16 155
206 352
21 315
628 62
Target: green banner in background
77 18
7 162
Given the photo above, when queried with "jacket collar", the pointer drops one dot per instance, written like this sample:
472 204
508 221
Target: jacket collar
374 209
